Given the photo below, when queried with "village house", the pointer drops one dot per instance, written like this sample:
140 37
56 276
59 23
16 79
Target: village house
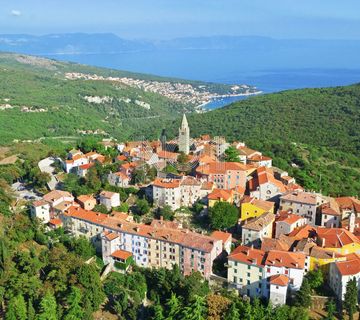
119 179
260 161
109 199
254 230
251 207
226 175
343 271
264 186
286 222
304 204
348 205
86 202
220 195
167 192
59 200
252 270
41 210
226 239
330 214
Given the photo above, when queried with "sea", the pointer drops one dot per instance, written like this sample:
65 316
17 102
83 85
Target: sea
268 75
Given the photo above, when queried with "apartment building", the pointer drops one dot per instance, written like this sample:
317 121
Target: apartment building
155 245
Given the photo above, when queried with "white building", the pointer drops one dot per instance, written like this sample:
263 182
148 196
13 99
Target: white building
167 192
118 179
41 210
256 229
304 204
109 199
340 274
287 222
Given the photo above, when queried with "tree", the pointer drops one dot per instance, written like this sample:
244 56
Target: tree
83 247
351 298
232 154
303 296
172 307
31 314
48 307
182 158
74 310
158 312
217 306
93 181
142 206
41 179
194 285
232 313
330 310
196 310
223 215
16 309
101 208
315 278
166 213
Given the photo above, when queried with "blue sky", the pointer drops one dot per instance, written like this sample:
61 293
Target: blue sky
158 19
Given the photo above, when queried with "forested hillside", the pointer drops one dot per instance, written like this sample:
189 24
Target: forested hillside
38 98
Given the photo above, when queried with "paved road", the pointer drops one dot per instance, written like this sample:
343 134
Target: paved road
45 166
23 193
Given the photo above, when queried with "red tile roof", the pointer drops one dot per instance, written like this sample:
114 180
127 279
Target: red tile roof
55 222
335 237
295 260
348 203
121 254
349 267
220 235
166 183
279 280
167 155
220 194
262 204
248 255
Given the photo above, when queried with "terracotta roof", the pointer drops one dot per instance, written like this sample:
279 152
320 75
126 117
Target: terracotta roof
257 158
55 195
247 151
39 203
121 158
260 222
129 165
288 218
180 236
335 237
80 213
121 254
279 280
166 183
220 235
220 194
331 208
190 181
167 155
122 175
349 267
222 167
55 222
110 235
295 260
268 244
248 255
321 253
83 198
262 176
302 232
301 197
349 203
86 166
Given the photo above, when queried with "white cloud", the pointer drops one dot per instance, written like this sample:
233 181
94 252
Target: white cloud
15 13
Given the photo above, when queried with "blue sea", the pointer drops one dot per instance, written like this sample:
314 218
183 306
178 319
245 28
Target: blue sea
268 75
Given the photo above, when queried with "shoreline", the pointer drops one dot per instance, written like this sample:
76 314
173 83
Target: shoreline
201 107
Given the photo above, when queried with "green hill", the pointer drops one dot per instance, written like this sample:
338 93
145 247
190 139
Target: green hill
38 99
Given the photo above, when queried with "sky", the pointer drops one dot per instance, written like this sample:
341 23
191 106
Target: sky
164 19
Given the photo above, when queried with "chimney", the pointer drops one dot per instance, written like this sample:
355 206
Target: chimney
120 225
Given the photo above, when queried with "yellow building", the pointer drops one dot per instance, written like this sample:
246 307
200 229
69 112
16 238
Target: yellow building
220 195
321 258
253 208
338 240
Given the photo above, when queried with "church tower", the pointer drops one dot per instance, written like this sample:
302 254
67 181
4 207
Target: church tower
184 136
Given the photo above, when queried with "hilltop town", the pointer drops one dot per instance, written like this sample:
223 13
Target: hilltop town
206 205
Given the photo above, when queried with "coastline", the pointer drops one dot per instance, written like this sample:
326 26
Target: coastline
201 108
